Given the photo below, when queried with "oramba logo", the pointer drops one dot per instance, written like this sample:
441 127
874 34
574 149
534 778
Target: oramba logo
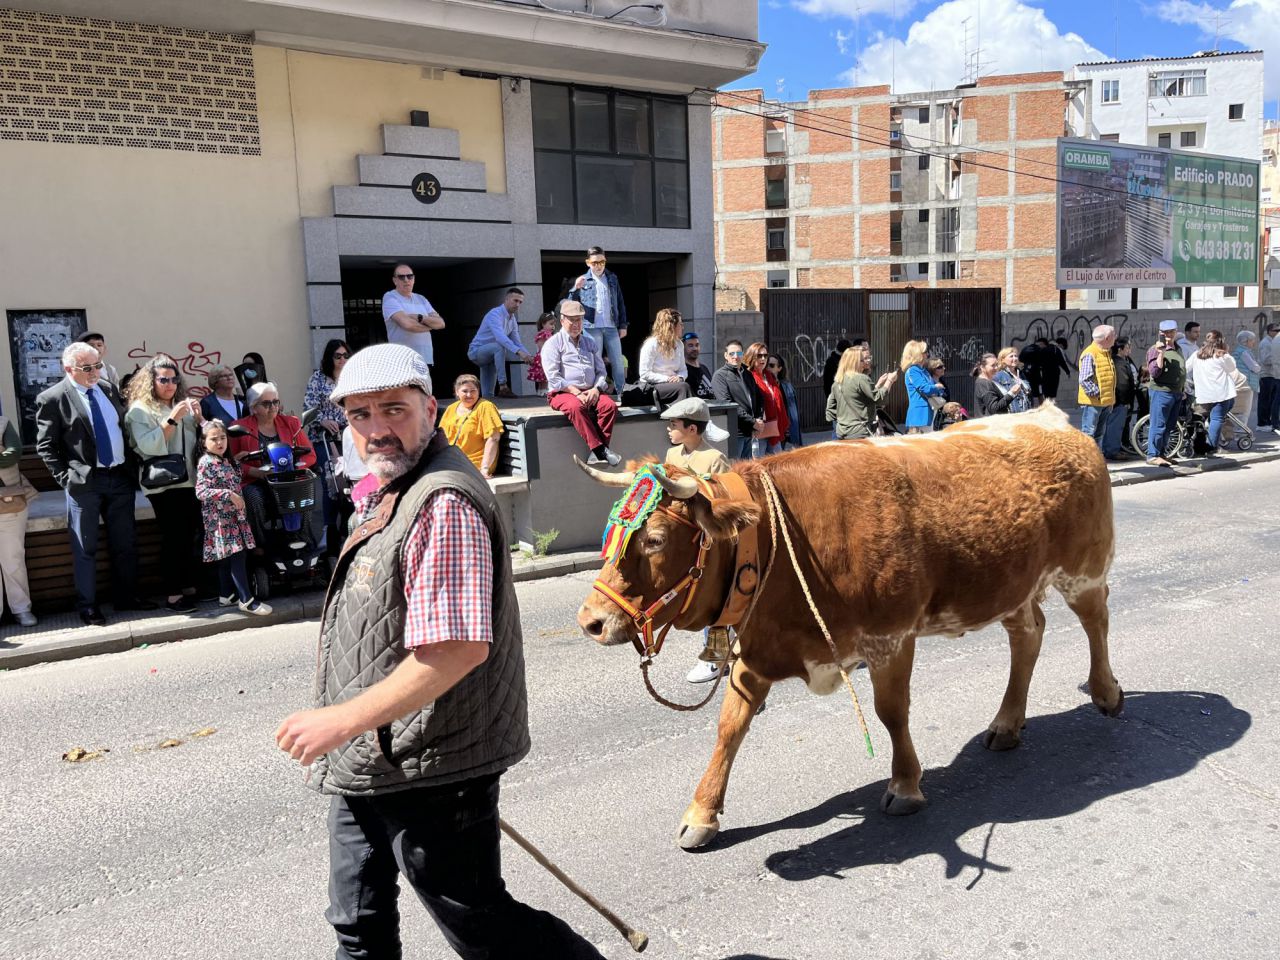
1087 159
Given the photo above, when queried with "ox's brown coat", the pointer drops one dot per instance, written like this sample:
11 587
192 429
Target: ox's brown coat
898 538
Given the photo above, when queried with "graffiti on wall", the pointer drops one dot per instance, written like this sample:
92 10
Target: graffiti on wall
1140 326
194 364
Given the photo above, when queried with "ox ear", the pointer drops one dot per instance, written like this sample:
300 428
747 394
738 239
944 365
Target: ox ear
722 519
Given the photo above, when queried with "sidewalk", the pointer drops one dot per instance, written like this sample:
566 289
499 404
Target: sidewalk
61 636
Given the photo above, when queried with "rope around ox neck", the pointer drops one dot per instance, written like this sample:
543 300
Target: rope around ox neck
774 502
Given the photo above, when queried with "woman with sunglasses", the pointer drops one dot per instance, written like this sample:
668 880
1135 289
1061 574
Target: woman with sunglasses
326 431
775 404
265 425
163 422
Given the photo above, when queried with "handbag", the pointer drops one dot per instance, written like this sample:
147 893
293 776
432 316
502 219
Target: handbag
768 430
165 471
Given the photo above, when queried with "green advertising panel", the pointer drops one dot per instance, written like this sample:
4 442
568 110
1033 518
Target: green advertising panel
1215 219
1134 216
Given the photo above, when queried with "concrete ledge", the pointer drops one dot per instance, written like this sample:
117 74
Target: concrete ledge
421 141
400 204
400 171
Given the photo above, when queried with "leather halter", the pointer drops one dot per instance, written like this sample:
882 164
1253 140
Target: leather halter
740 590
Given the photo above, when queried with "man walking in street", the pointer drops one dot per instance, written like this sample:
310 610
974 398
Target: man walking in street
1269 379
498 340
80 438
576 381
699 375
733 383
420 686
1097 392
1167 368
409 316
606 312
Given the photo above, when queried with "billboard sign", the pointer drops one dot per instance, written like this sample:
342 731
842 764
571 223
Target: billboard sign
1131 216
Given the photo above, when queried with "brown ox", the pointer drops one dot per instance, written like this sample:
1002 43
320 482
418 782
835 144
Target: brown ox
898 538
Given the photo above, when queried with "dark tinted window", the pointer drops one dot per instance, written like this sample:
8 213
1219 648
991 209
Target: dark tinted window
670 130
591 120
615 190
631 120
551 116
553 175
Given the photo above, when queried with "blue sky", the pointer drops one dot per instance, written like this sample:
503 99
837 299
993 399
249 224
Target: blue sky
922 45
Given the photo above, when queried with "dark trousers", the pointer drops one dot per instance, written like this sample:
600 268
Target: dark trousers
108 496
233 578
181 531
665 394
1268 401
594 425
444 842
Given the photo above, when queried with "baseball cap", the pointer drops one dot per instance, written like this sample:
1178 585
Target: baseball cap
689 335
1168 325
384 366
696 409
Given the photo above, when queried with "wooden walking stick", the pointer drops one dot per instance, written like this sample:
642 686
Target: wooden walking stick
638 939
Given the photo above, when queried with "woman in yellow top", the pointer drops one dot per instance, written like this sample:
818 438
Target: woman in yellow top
473 425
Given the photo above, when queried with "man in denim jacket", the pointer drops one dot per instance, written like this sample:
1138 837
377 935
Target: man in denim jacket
606 313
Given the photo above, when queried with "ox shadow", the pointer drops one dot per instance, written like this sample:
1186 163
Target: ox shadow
1067 762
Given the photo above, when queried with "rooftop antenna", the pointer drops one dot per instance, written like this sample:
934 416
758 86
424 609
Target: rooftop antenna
1218 21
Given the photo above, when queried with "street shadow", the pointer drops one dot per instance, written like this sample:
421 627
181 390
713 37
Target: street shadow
1067 762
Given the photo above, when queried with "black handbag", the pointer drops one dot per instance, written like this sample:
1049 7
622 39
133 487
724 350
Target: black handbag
165 471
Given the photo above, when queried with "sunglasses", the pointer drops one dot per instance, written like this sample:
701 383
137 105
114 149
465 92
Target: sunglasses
596 263
341 356
404 276
267 403
89 367
166 379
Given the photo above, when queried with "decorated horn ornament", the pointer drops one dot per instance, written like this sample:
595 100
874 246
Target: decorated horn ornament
621 480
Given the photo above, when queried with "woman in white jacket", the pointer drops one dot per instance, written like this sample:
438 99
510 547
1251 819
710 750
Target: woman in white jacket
662 365
1211 369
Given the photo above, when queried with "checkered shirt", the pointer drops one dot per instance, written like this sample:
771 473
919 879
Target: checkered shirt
448 571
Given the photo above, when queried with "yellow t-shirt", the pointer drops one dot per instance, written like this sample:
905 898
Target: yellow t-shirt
704 461
468 430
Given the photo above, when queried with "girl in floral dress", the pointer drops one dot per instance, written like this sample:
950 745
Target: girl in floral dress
536 375
227 535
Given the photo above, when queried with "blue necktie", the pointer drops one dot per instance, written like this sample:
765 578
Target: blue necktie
101 433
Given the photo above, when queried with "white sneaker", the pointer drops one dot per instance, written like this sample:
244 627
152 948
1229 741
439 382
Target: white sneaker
255 608
703 672
593 460
612 457
227 601
26 618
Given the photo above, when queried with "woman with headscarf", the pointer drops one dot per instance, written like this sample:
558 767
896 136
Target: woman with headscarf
756 362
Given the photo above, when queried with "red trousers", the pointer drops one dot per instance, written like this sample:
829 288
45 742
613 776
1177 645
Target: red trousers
594 425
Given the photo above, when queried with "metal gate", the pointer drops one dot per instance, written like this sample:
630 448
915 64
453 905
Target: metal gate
802 326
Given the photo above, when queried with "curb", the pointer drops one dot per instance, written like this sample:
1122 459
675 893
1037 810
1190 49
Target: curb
1128 477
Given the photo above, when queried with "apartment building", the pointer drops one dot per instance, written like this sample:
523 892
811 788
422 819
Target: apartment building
1210 102
860 187
211 178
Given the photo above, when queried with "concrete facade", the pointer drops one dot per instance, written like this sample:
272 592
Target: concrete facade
933 189
1209 102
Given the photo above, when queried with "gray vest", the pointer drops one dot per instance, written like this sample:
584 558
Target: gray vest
480 726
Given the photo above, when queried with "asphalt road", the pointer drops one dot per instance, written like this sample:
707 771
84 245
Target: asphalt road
1154 835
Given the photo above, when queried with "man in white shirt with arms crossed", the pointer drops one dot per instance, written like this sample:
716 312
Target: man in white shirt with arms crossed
409 316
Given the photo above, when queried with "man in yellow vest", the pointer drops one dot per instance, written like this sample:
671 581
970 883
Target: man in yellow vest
1097 393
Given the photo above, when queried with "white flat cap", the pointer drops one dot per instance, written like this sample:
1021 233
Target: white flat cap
384 366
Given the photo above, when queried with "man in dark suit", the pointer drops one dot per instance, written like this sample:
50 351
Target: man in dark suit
81 438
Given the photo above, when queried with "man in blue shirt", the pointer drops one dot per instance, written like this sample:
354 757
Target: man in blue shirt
606 313
497 340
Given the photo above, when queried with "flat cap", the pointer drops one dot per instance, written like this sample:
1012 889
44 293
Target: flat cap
1168 324
695 408
384 366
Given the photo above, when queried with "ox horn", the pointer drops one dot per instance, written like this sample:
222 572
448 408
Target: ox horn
623 479
680 488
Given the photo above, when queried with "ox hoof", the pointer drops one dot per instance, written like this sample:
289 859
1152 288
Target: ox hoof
1116 710
1001 739
900 806
692 836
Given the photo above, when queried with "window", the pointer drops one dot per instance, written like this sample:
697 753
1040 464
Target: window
1230 291
1164 140
924 216
1110 91
895 181
1178 83
924 161
775 193
947 270
924 114
608 157
779 278
1235 111
1172 293
777 238
1106 296
895 133
895 231
1110 137
1188 138
922 268
775 141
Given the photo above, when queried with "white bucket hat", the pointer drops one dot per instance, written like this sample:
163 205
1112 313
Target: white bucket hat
696 409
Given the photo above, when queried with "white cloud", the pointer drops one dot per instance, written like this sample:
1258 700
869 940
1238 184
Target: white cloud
852 9
842 41
1253 23
1016 38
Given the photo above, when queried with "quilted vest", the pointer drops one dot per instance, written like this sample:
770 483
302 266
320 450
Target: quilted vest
478 727
1105 372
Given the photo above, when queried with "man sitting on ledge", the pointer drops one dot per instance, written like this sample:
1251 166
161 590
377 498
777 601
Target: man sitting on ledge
575 383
